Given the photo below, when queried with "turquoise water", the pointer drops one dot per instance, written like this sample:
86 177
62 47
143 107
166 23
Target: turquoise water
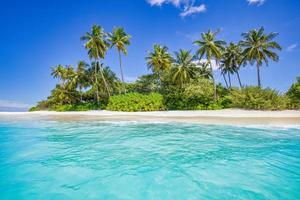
118 160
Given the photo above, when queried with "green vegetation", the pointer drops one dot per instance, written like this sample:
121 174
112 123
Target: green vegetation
179 81
257 98
294 95
136 102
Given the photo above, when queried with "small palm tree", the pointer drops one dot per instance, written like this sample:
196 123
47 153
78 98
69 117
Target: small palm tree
58 72
111 78
81 77
159 60
70 76
204 70
258 48
210 48
232 61
183 66
226 69
97 46
119 39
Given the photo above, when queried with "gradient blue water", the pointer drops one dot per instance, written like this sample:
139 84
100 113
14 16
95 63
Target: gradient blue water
97 160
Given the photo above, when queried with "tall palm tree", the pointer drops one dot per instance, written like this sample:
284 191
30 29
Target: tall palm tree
211 48
97 46
159 60
183 65
232 60
258 48
119 39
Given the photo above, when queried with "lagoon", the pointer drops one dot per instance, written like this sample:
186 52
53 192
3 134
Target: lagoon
57 159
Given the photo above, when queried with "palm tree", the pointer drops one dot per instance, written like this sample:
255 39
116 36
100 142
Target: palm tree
183 64
111 78
81 76
258 48
226 69
211 49
71 78
58 72
97 46
120 40
232 60
203 68
159 60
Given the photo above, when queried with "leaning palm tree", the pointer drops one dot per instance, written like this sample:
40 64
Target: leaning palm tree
210 48
232 61
183 66
97 46
159 60
120 40
258 48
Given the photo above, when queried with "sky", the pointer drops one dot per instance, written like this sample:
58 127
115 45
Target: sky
36 35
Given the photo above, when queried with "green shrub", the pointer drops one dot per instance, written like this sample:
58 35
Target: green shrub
76 107
131 102
32 109
294 95
196 95
256 98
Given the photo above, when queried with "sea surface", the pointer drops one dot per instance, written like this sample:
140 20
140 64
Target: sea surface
61 160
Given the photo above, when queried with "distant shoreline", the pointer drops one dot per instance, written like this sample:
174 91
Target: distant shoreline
226 116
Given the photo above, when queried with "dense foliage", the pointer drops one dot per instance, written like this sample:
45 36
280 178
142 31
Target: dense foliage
294 95
257 98
180 81
136 102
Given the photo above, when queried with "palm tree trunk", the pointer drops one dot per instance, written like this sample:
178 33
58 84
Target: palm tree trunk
96 83
258 76
121 70
238 76
214 83
229 79
80 91
225 80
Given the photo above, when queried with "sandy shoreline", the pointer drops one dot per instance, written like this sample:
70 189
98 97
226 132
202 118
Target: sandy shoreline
227 116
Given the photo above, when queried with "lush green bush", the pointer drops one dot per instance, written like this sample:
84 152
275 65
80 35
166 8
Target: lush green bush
34 108
257 98
196 95
145 84
76 107
69 107
136 102
294 95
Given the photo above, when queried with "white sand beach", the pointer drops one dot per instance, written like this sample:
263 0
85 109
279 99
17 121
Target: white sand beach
226 116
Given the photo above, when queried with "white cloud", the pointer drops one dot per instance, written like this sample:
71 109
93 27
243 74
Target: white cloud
187 7
214 64
292 47
130 79
13 104
189 10
256 2
160 2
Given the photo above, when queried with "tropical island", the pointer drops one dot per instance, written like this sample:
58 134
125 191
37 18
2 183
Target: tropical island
180 81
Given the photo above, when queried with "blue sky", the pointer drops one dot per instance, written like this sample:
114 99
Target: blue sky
36 35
